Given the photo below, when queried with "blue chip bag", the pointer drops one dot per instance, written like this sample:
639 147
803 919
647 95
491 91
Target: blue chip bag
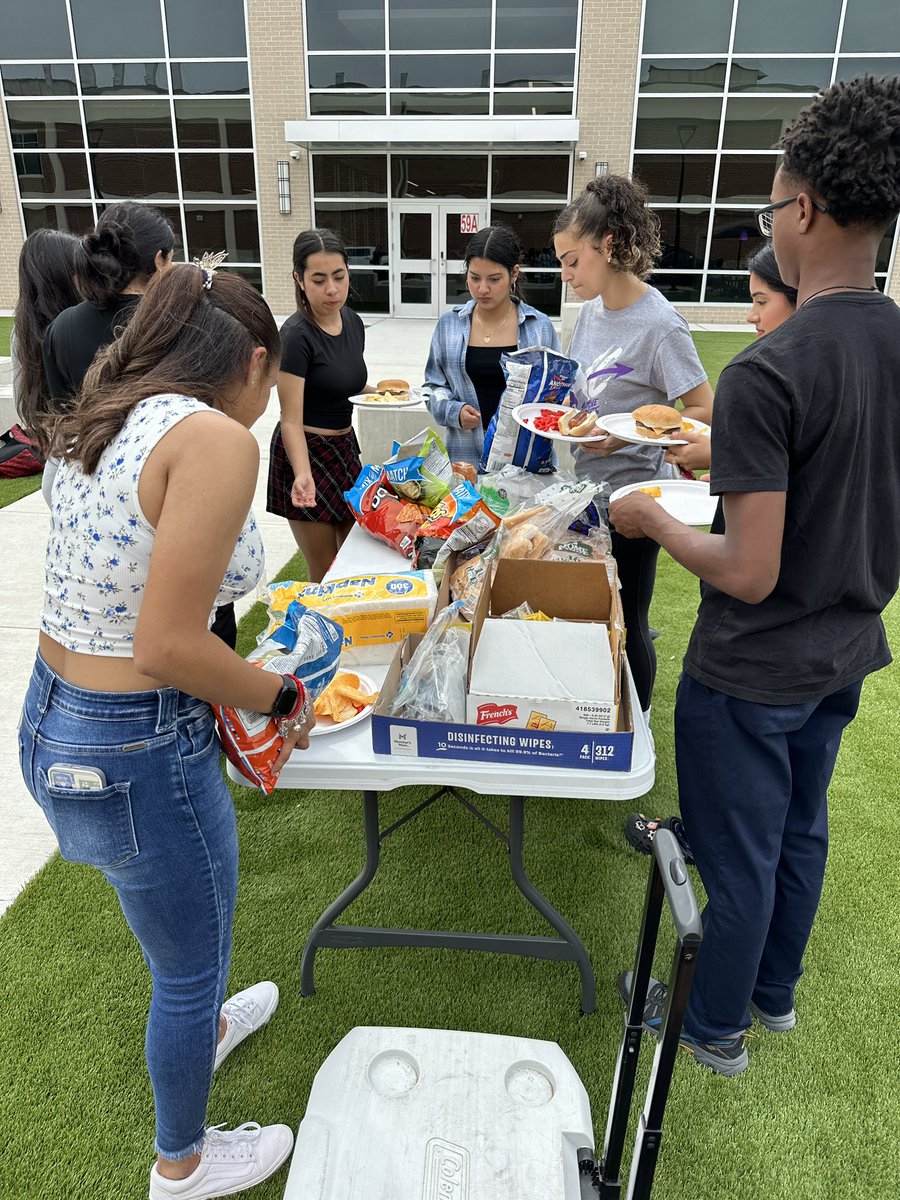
535 375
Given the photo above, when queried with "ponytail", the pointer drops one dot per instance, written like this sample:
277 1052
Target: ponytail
122 247
618 206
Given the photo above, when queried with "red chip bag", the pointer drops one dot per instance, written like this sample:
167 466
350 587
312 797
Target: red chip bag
382 513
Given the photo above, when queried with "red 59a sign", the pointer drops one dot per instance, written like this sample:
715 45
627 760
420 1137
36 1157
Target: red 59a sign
468 222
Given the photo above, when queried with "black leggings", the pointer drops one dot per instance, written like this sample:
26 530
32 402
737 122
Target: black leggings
636 563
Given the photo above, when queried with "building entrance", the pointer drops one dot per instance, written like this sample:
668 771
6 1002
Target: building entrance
428 242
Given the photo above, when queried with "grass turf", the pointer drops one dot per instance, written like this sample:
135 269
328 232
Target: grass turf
6 324
13 489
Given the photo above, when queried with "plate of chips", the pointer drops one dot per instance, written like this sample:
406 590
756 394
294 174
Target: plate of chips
349 698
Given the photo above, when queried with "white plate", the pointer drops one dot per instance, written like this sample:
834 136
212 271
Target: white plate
326 725
365 401
621 425
524 414
686 500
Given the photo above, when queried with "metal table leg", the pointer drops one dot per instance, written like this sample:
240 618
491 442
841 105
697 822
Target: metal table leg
567 947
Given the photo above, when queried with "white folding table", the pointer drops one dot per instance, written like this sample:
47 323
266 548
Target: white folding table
345 761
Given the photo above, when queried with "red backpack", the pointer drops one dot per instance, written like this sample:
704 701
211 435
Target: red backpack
19 455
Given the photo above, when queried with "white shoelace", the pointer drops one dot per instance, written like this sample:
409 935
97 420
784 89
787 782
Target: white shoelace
241 1011
231 1145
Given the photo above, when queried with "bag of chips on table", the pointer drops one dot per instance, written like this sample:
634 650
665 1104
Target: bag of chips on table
307 645
462 513
534 375
382 513
425 475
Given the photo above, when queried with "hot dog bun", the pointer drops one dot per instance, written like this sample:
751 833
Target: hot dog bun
656 420
577 424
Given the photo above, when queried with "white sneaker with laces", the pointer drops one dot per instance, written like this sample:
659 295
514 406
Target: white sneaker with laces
244 1013
231 1161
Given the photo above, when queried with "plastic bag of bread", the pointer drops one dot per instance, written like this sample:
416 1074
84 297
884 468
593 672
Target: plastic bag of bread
509 487
433 684
532 531
467 581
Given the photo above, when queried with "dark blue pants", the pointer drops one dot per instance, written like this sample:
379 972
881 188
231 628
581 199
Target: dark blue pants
752 783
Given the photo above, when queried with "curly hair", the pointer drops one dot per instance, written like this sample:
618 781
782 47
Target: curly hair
618 206
846 147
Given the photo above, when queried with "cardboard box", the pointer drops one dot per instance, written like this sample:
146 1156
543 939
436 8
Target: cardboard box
572 591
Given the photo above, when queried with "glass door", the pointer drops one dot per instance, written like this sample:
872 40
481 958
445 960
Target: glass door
458 221
415 241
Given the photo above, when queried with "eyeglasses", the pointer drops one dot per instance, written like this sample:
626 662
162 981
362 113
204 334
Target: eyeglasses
764 216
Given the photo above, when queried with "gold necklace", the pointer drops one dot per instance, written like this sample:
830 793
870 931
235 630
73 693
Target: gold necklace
492 332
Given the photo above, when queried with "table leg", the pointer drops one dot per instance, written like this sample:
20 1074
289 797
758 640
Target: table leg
347 896
543 905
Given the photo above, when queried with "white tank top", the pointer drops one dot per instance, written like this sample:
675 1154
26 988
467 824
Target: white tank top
100 542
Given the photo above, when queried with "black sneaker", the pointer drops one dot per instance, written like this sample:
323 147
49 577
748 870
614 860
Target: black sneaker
639 831
725 1056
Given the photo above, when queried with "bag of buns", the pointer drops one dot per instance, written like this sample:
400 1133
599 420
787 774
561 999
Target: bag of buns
531 531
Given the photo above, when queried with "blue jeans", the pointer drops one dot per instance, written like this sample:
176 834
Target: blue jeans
164 834
752 783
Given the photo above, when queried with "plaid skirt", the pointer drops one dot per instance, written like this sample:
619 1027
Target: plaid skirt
335 466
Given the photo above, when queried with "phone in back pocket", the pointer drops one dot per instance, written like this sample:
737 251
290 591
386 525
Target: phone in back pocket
77 779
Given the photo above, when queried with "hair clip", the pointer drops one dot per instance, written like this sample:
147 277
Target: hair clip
209 264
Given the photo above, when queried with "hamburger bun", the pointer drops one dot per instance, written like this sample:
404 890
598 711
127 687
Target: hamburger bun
656 421
393 387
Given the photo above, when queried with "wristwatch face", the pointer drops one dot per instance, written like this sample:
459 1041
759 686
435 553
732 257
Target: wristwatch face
286 698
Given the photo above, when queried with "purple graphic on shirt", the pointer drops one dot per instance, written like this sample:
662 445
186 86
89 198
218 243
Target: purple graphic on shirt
614 372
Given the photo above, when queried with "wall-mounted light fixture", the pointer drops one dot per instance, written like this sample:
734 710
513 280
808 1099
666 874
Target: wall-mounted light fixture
284 187
601 169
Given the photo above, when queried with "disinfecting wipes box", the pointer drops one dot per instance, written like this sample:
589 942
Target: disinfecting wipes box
432 1114
543 675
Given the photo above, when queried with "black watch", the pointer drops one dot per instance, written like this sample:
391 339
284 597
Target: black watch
286 700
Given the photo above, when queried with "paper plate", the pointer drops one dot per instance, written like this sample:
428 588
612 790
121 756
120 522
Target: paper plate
524 415
327 725
365 401
687 500
621 425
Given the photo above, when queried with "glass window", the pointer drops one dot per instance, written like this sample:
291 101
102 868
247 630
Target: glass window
543 290
71 218
773 26
747 179
234 229
534 229
676 178
370 291
689 125
127 123
683 236
350 175
534 103
780 74
730 289
415 289
534 70
701 27
216 78
881 68
47 79
420 175
683 75
134 176
214 123
415 235
440 25
345 24
530 24
758 124
346 71
678 289
358 224
530 176
209 176
251 274
103 32
871 25
205 28
38 29
347 104
99 79
172 213
53 175
437 104
735 237
456 291
441 71
50 123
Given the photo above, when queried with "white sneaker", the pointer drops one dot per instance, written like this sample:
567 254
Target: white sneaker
231 1161
244 1013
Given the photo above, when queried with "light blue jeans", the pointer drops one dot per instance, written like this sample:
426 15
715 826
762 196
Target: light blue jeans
163 832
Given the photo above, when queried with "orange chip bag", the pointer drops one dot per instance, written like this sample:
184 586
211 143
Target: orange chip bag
382 513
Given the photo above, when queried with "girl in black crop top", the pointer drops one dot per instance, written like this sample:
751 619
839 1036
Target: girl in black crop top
314 455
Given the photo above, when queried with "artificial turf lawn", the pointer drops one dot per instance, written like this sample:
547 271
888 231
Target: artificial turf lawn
13 489
814 1117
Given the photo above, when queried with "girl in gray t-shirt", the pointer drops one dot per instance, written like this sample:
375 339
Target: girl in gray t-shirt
634 349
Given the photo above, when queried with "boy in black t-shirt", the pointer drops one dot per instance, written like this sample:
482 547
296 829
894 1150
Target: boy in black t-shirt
802 558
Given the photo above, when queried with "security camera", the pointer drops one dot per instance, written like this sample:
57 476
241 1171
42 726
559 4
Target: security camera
582 154
295 155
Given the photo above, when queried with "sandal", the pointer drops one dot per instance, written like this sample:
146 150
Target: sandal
639 831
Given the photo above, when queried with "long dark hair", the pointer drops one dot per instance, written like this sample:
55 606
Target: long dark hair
120 248
306 244
617 205
498 243
183 338
764 264
46 286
